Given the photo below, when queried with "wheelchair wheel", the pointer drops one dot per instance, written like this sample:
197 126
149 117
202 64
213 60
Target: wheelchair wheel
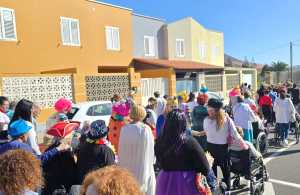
262 143
297 132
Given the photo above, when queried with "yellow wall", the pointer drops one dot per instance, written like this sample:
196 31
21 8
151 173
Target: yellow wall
179 30
194 33
39 47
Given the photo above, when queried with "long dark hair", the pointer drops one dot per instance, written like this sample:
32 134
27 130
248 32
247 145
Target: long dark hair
23 111
173 135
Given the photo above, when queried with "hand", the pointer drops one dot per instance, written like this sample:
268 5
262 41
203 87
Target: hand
210 159
63 147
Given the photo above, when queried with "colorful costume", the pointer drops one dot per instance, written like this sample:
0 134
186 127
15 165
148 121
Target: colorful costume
118 119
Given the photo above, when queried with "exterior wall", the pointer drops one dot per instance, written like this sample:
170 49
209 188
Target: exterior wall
146 26
194 33
39 46
179 30
166 73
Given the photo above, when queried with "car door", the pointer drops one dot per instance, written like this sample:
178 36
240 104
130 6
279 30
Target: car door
100 112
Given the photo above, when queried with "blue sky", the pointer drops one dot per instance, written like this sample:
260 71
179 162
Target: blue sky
259 29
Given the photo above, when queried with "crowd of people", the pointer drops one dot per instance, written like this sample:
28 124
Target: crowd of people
172 146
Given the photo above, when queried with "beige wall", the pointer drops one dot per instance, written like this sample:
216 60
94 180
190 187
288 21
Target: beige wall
39 47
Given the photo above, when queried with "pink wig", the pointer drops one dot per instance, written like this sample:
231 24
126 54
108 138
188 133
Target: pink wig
63 105
121 108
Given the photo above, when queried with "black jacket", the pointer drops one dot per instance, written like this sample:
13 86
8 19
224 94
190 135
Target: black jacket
92 156
59 172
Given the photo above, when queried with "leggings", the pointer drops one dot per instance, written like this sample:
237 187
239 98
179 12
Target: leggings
248 135
221 155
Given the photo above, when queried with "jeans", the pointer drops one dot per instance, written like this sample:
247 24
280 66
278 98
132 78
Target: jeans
248 135
283 129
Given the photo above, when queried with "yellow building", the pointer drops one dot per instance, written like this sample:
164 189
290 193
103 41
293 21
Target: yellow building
189 40
69 36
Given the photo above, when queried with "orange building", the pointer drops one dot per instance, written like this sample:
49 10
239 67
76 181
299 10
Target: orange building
64 36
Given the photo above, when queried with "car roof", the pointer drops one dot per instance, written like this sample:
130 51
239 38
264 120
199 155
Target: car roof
91 103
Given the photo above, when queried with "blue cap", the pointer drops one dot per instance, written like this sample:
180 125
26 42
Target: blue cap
98 130
18 128
62 117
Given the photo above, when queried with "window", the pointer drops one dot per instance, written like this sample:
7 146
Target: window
202 50
149 46
180 47
100 110
112 38
7 24
214 52
70 33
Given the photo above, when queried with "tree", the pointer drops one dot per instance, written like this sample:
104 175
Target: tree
279 66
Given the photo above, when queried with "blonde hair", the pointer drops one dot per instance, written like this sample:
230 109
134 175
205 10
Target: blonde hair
111 180
138 113
240 131
220 118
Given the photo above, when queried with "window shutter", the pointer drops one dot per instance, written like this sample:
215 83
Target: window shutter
75 32
151 47
108 38
181 48
146 46
9 24
178 48
116 38
65 30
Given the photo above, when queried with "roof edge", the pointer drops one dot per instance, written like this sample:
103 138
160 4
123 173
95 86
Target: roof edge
111 5
149 17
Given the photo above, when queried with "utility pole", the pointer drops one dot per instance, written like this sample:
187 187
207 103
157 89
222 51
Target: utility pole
291 59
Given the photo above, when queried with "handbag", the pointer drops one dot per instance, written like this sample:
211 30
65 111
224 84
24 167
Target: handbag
202 185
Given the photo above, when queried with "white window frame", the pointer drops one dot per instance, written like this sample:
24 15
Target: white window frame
3 38
202 50
180 55
151 53
119 39
70 30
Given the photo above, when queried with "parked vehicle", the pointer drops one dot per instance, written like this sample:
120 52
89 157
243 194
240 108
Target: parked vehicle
91 111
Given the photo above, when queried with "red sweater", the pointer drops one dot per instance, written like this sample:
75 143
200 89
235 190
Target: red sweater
265 100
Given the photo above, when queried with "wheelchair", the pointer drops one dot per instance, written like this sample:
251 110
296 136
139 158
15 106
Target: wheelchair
254 170
260 138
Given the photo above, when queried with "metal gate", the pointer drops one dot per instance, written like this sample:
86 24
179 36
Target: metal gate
150 85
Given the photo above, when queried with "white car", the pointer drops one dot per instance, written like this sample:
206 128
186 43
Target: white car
91 111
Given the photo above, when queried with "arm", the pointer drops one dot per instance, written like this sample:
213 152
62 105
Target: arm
236 136
199 157
48 155
33 142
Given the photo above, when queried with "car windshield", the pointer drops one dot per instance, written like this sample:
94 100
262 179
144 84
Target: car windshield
72 113
100 110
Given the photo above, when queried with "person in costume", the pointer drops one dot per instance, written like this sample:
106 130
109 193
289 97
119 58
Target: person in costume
181 158
119 118
60 171
172 104
198 115
96 151
203 89
136 150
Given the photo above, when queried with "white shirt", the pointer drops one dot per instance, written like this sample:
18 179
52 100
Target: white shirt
284 110
136 153
5 120
249 101
243 115
192 105
161 106
219 136
153 118
32 140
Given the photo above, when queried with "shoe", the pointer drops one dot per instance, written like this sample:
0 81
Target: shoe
285 143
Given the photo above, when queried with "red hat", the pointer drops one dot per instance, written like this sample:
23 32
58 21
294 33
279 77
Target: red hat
62 129
202 98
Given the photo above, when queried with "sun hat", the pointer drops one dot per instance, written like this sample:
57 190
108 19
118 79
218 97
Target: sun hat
63 129
63 105
215 103
98 129
18 128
